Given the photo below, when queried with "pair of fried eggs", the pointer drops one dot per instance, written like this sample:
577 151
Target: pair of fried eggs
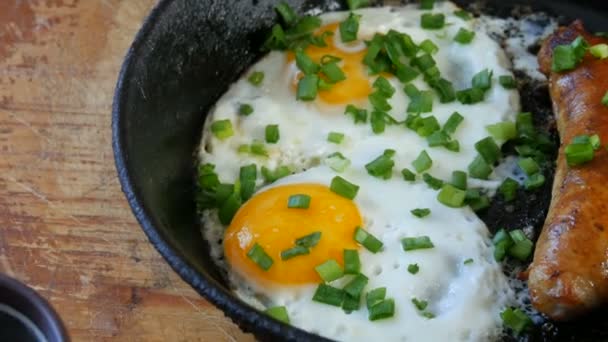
465 298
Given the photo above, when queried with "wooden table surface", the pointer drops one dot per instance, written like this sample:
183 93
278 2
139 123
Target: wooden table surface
65 226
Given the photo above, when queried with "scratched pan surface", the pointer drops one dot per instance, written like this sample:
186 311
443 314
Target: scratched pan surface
186 55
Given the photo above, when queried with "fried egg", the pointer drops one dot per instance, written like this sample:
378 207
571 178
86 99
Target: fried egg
465 299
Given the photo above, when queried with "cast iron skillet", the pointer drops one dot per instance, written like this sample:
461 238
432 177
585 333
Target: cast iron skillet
185 56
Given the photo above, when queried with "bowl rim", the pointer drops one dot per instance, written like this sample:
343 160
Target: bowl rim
245 316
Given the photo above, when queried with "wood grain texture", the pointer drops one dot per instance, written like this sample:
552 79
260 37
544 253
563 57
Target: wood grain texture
65 227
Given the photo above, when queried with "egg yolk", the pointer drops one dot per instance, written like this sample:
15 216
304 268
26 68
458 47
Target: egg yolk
266 220
355 87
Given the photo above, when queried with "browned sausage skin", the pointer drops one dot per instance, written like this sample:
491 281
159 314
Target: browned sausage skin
569 274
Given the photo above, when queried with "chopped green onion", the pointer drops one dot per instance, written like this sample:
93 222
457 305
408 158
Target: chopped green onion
256 78
420 304
257 148
354 4
229 207
352 264
245 109
426 4
330 270
276 39
472 194
508 189
413 268
333 72
432 182
278 313
470 96
479 168
350 27
534 182
299 201
355 287
580 150
247 176
287 13
415 243
222 129
382 167
605 99
444 88
378 121
350 303
328 59
468 261
293 252
568 56
502 242
595 141
483 79
323 84
343 187
271 176
421 212
382 310
358 114
522 247
462 14
432 21
384 86
429 47
408 175
464 36
453 121
427 126
451 196
367 240
423 162
428 315
525 125
478 204
507 81
439 138
335 137
309 240
459 180
405 74
516 320
272 134
529 166
307 88
375 296
379 101
259 256
503 131
329 295
422 102
424 62
337 162
488 149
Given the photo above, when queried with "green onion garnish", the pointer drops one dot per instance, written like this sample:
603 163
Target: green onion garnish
451 196
429 47
420 304
516 320
355 287
307 87
382 310
525 125
329 295
478 204
378 121
468 261
293 252
343 187
358 114
483 79
432 182
503 131
444 88
424 62
222 129
426 4
350 303
379 101
333 72
287 13
529 166
488 149
421 102
335 137
354 4
384 86
418 242
271 176
479 168
568 56
259 256
534 182
595 141
599 51
421 212
278 313
452 123
276 40
464 36
423 162
459 180
507 81
382 167
375 296
432 21
272 134
438 138
427 126
413 268
367 240
470 96
257 148
522 247
502 242
256 78
508 189
245 109
230 205
305 63
330 270
309 240
299 201
578 153
462 14
349 28
337 162
247 177
328 59
352 264
408 175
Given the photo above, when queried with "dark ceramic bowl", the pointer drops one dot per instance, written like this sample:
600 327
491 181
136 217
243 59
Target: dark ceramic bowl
185 56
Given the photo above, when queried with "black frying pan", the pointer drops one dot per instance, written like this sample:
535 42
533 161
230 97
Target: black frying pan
185 56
